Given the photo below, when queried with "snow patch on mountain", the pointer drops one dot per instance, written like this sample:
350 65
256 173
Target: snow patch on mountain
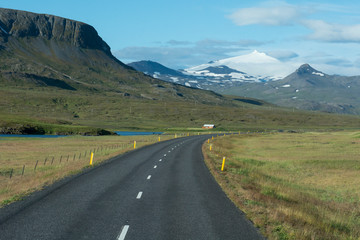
318 73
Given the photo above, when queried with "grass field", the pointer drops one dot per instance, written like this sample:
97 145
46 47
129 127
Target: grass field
293 186
81 112
55 158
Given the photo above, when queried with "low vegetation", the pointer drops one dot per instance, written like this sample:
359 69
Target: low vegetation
291 185
66 112
29 164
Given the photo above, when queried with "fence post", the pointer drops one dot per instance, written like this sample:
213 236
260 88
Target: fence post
23 170
36 165
45 161
11 173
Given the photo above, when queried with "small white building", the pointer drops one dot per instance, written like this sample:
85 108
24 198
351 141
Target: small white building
208 126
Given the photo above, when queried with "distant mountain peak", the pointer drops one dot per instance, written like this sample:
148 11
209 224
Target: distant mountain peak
253 57
153 68
307 69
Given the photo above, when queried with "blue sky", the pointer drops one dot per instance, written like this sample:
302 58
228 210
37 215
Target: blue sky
180 34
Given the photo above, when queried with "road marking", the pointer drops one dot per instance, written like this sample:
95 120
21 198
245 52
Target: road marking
139 195
169 151
160 160
123 232
148 177
155 166
164 155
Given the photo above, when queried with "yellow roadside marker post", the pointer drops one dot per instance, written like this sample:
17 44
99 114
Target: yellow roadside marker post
212 138
134 144
159 139
223 164
91 158
209 140
210 147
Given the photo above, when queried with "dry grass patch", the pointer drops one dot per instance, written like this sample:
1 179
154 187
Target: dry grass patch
293 186
55 158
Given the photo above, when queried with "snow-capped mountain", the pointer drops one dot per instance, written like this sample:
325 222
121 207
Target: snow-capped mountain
309 89
260 66
225 73
211 77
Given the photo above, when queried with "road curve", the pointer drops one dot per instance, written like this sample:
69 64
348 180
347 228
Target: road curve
163 191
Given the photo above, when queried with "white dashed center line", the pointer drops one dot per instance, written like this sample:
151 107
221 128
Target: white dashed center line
164 155
155 166
160 160
148 177
123 232
139 195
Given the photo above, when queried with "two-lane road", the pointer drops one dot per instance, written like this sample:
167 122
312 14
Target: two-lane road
163 191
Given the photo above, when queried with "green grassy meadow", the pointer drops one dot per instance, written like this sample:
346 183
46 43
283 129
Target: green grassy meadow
69 112
293 185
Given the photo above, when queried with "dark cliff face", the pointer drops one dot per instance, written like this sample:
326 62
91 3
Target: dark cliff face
20 24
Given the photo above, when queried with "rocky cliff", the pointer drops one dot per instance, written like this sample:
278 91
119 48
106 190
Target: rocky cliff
21 24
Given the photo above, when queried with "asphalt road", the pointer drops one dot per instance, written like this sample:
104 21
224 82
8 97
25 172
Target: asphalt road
163 191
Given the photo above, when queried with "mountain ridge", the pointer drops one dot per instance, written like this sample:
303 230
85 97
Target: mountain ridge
309 89
305 88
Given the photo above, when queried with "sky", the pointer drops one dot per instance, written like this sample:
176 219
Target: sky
181 34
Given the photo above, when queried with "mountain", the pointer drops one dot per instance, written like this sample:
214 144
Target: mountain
309 89
306 88
154 68
210 77
40 50
256 64
221 74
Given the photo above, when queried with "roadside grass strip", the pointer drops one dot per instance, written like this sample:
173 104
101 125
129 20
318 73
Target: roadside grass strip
292 185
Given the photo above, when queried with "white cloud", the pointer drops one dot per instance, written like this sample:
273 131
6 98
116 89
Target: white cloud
275 15
282 55
331 32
